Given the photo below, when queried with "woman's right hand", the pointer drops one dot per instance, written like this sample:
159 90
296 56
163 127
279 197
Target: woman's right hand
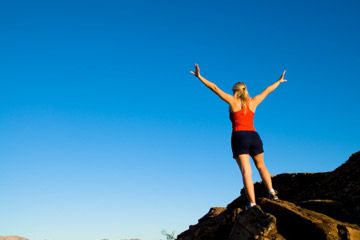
281 79
196 73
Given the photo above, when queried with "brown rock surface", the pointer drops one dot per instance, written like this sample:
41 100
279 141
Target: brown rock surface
255 224
216 224
295 222
312 206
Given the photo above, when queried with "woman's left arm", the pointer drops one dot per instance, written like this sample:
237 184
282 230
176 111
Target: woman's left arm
212 86
259 98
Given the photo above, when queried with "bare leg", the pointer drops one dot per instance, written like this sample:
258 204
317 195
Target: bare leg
245 168
264 173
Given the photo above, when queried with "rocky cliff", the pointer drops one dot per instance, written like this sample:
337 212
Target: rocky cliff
312 206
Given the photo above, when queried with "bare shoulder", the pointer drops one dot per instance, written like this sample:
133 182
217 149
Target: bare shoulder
253 104
234 105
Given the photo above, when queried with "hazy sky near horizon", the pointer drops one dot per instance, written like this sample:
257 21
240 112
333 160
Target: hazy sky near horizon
105 134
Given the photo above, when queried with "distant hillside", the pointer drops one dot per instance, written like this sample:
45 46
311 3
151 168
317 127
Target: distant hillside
12 238
312 206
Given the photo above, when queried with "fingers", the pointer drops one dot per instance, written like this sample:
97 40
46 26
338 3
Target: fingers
282 76
197 70
197 67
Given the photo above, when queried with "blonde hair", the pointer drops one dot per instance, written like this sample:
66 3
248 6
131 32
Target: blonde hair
241 93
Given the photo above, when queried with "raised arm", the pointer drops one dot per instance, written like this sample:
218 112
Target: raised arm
212 86
259 98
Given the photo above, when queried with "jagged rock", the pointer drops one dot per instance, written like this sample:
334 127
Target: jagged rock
341 185
313 206
214 225
330 208
295 222
212 214
255 224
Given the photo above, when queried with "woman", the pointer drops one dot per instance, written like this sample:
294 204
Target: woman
245 141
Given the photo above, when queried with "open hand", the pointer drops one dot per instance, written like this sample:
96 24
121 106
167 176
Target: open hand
282 79
196 73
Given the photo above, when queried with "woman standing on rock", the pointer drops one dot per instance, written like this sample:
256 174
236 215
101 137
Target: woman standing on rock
245 141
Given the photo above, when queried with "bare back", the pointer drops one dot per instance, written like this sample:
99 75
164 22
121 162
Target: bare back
235 105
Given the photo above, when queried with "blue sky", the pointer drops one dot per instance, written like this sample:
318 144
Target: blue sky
105 134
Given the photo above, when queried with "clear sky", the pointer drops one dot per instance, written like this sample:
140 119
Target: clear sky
104 133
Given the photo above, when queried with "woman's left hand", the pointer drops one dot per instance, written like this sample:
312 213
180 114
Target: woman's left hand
196 73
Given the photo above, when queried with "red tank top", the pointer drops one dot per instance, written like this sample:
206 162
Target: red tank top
242 120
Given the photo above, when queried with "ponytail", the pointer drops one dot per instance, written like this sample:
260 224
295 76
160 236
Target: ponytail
241 93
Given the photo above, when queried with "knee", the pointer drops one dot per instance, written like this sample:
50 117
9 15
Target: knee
260 165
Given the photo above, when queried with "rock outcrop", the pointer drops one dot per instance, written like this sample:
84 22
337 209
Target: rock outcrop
312 206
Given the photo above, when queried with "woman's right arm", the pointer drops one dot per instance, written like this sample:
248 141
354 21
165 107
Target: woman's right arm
212 86
259 98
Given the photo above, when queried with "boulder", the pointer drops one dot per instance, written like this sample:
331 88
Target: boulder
255 224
